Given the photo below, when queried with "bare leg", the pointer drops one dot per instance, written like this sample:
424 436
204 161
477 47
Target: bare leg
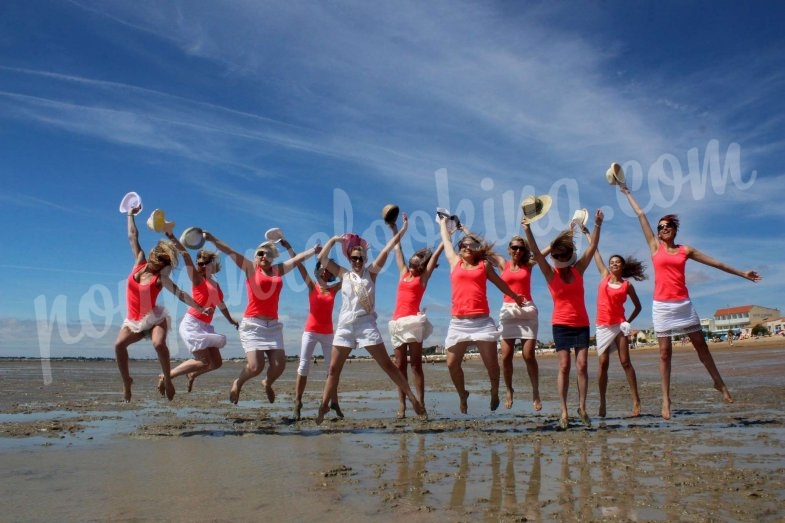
215 362
415 357
401 363
159 344
708 361
563 380
491 360
338 358
582 368
125 338
254 365
454 360
666 353
277 359
508 351
379 353
602 379
632 380
533 370
299 390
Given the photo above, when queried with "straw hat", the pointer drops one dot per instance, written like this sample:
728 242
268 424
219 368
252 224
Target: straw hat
157 222
130 201
581 217
535 207
614 174
192 238
274 235
390 213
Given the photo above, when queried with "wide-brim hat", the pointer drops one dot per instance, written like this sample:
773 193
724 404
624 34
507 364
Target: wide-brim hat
274 235
157 222
535 207
614 174
130 201
192 238
452 220
350 241
390 213
581 217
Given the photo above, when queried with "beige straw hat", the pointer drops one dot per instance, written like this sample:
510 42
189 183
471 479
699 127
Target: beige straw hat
535 207
614 174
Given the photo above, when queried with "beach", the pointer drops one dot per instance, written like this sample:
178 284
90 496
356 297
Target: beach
73 451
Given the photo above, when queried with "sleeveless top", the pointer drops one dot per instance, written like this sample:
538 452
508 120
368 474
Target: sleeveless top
263 294
610 302
519 281
358 293
669 279
409 297
206 294
140 298
569 307
320 310
469 292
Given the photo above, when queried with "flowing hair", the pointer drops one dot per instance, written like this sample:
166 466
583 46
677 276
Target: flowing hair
631 267
164 248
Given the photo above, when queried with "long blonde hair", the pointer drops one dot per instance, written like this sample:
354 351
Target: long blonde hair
163 248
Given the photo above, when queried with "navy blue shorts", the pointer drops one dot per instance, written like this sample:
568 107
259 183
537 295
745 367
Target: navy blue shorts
567 338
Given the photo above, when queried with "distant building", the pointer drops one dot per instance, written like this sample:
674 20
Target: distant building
743 317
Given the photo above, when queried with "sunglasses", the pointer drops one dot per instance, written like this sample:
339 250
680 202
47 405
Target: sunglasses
517 247
262 254
163 261
665 225
356 259
562 256
203 263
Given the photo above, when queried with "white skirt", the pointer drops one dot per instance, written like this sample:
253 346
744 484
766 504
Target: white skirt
472 329
410 329
518 322
606 338
674 318
199 335
156 316
256 334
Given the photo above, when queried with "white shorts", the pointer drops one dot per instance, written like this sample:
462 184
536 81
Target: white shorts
199 335
410 329
256 334
518 322
360 332
156 316
674 318
310 341
472 329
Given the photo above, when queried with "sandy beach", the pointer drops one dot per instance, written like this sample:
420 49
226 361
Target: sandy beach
72 451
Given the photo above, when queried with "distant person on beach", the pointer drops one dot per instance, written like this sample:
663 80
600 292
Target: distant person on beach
196 329
730 337
145 319
357 318
261 334
672 310
409 325
471 267
318 330
519 323
570 321
612 323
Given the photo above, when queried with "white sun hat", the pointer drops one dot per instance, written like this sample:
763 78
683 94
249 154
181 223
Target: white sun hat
192 238
274 235
535 207
581 217
452 220
157 222
614 174
130 201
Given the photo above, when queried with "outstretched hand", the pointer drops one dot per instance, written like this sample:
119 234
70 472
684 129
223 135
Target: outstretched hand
753 276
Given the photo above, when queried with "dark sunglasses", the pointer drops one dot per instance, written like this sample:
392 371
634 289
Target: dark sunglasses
204 263
356 258
261 254
562 256
517 247
164 260
664 225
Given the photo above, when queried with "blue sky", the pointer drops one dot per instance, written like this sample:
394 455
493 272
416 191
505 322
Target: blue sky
240 116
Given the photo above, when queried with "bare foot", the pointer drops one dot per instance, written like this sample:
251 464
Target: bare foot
494 400
464 405
419 409
127 389
298 406
602 412
191 378
161 385
234 393
169 388
636 409
323 409
268 389
401 412
584 417
508 402
725 393
334 406
666 410
564 423
537 404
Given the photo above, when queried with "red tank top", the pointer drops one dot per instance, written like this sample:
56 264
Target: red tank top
469 292
263 294
569 308
610 302
669 281
206 294
410 293
320 310
140 298
520 281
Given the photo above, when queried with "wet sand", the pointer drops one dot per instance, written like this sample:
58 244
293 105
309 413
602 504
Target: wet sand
72 451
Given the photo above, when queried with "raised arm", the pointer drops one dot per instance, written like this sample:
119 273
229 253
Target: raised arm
380 260
324 257
594 241
241 261
539 257
196 278
449 250
598 261
705 259
400 260
133 237
426 275
296 259
648 232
